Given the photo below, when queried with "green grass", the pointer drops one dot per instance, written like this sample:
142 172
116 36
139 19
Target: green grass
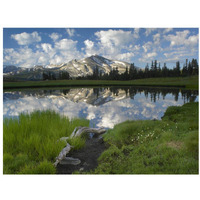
30 143
187 82
167 146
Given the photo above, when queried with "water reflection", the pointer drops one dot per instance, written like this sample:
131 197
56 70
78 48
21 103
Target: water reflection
102 106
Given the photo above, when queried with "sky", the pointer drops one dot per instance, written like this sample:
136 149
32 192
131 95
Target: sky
26 47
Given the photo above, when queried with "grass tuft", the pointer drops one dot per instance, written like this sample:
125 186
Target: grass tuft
33 139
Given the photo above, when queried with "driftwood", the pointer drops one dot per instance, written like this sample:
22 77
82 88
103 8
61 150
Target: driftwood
63 154
78 131
70 160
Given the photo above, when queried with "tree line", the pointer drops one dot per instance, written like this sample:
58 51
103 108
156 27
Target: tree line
155 70
62 75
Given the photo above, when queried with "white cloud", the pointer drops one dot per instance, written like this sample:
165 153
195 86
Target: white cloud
89 44
136 33
136 47
46 47
182 46
126 56
156 39
89 48
114 37
167 30
70 32
26 38
181 38
151 55
149 31
66 44
192 40
62 51
24 57
113 42
147 46
55 36
148 56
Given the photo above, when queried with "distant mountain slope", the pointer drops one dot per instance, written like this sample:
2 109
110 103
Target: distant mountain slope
10 68
75 68
86 66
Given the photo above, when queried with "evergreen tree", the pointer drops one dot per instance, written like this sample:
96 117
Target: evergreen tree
146 71
132 72
190 69
165 71
177 70
195 67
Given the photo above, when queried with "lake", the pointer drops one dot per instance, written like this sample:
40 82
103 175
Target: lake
104 107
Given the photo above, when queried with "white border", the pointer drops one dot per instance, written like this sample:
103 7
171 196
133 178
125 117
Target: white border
104 13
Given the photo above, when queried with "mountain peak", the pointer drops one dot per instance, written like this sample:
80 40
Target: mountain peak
83 67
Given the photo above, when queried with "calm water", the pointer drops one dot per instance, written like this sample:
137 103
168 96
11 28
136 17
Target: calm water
102 106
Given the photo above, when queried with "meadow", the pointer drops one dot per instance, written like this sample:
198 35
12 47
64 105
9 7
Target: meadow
190 82
167 146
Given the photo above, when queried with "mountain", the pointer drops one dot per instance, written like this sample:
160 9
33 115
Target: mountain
10 68
86 66
75 68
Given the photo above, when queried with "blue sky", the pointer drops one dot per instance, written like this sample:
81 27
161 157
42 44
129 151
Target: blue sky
27 47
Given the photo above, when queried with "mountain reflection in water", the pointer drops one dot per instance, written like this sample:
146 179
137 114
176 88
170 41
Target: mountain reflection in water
102 106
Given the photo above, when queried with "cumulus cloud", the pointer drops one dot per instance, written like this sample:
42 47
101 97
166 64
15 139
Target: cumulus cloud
122 44
26 38
24 57
181 38
70 32
156 39
46 47
149 31
167 30
126 56
136 32
151 55
192 40
114 37
55 36
148 56
89 48
113 43
147 46
62 51
66 44
182 46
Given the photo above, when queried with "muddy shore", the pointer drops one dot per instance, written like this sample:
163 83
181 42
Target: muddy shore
88 156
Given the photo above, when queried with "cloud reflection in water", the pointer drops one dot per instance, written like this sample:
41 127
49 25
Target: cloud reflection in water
106 108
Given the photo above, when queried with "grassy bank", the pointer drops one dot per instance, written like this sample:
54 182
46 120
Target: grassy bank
167 146
186 82
30 143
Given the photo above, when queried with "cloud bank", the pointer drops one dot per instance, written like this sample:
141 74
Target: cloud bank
131 45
